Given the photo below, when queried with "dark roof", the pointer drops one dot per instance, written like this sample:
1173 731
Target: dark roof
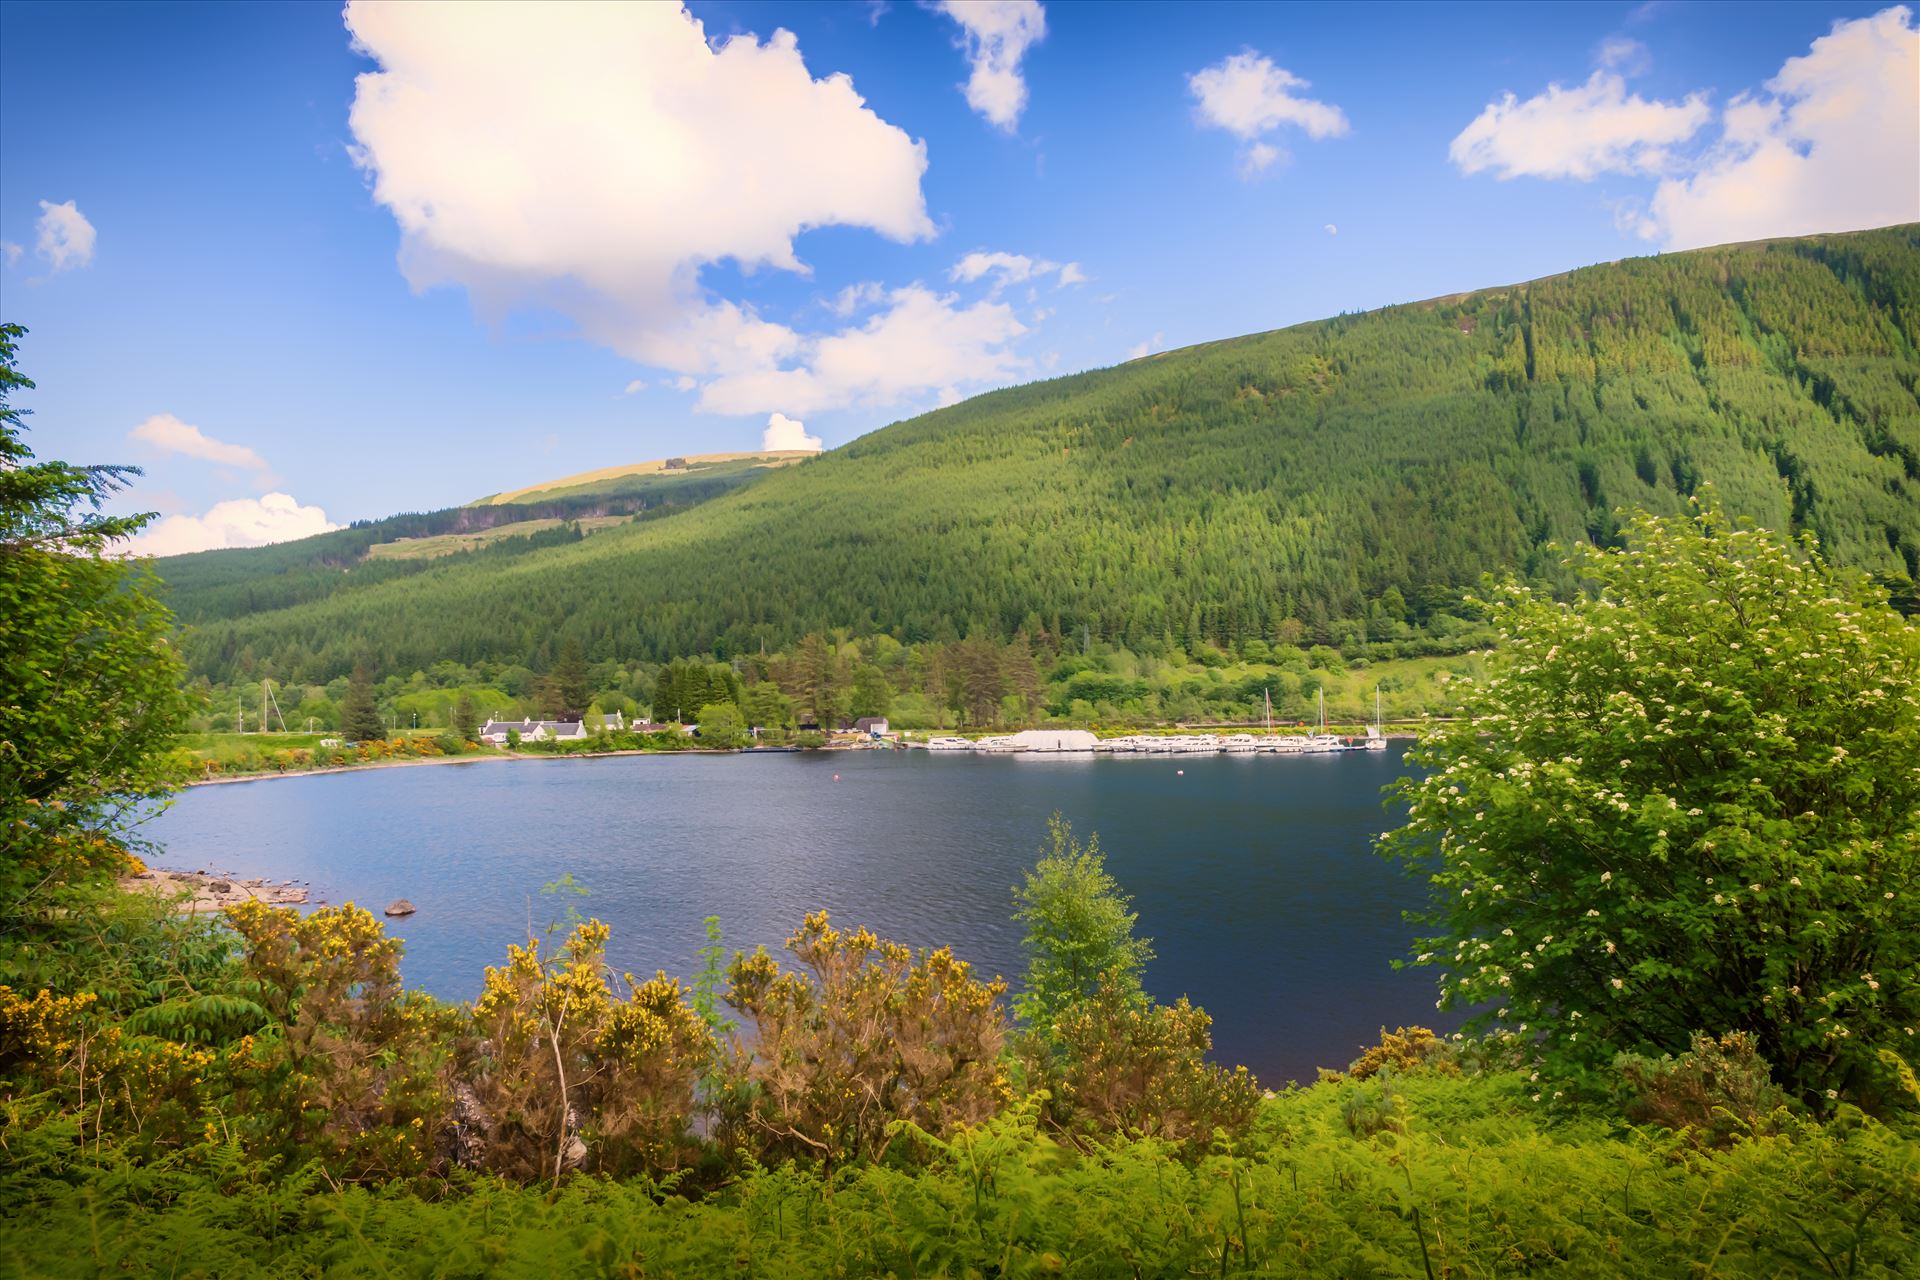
867 724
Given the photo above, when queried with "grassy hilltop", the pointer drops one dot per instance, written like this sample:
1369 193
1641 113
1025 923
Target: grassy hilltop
1353 474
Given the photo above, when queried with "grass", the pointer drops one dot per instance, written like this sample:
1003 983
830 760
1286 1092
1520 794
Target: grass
587 481
447 544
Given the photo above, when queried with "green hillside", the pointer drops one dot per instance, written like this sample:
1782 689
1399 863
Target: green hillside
216 585
1345 476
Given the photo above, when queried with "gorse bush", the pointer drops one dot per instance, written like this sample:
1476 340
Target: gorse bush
345 1066
869 1035
1685 801
1716 1090
565 1074
1118 1063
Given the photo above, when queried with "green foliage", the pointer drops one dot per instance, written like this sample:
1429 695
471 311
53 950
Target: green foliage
1079 941
684 687
50 506
1685 802
767 707
722 725
1118 1063
871 694
565 688
90 693
1341 483
1717 1090
1471 1183
359 718
867 1037
710 980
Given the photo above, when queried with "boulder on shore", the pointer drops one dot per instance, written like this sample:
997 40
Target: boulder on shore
400 908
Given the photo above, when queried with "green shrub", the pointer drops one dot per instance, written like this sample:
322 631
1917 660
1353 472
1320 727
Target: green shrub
1717 1090
1685 799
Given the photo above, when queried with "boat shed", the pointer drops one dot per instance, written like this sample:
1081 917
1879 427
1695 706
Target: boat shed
1054 740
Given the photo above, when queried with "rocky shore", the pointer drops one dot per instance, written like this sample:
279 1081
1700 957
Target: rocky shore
212 891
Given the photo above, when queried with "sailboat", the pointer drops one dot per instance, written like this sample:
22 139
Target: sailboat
1376 741
1321 741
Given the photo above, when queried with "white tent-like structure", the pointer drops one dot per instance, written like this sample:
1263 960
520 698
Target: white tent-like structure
1054 740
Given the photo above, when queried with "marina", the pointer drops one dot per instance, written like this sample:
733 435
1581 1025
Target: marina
1086 742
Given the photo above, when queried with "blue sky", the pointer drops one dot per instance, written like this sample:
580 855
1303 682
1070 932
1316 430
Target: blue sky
240 280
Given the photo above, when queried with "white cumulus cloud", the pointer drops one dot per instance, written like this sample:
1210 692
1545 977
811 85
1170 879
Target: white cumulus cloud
923 341
786 434
240 522
165 432
635 387
591 159
1250 97
65 237
996 35
1142 349
10 251
1331 230
1579 132
1833 144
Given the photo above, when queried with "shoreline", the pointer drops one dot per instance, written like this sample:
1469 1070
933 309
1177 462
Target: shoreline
513 756
210 890
497 757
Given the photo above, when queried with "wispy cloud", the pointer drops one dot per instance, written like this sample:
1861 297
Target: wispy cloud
1012 268
167 433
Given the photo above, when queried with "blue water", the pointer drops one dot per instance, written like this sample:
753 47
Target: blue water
1254 876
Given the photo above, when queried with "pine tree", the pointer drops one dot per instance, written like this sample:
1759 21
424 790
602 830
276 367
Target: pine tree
466 721
565 690
359 717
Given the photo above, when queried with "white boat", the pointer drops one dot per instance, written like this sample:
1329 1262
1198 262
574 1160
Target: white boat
1376 740
1321 742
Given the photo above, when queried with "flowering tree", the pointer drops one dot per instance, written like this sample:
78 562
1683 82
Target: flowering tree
1687 801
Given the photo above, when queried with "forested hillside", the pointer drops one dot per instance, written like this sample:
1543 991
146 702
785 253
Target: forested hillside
1350 475
229 584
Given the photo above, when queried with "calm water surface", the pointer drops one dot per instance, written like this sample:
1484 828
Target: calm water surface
1254 876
